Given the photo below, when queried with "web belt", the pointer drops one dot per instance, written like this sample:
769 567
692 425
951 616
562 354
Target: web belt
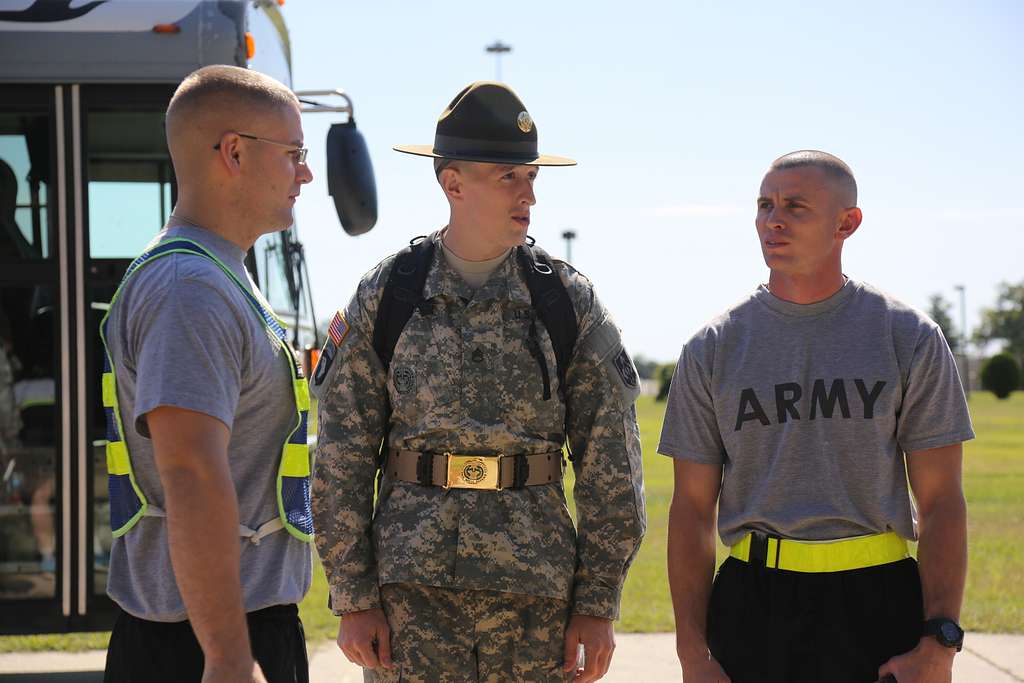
487 472
820 556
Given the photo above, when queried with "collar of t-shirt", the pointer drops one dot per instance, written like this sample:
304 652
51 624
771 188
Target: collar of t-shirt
475 273
228 252
788 308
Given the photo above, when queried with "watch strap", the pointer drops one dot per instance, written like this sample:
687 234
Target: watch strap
934 628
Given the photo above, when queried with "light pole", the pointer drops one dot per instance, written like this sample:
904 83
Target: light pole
569 236
963 337
498 48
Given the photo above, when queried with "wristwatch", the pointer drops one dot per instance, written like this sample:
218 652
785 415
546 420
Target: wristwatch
946 631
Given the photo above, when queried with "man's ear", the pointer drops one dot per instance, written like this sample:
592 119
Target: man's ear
229 151
849 221
452 182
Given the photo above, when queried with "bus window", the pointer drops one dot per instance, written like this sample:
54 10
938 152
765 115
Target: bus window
24 171
130 182
270 263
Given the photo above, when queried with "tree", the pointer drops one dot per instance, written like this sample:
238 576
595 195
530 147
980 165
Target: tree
1000 375
1005 322
665 373
939 311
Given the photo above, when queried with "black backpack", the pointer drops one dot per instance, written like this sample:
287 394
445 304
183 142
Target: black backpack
403 293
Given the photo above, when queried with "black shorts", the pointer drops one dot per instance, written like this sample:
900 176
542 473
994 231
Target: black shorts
142 651
770 625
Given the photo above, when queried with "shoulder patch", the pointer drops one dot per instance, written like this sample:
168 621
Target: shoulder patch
336 333
324 363
338 328
624 366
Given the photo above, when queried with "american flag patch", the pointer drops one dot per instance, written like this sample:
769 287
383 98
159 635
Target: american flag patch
338 329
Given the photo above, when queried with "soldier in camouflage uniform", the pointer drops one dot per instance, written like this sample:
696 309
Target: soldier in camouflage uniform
463 584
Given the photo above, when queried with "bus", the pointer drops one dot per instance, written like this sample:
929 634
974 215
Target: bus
85 182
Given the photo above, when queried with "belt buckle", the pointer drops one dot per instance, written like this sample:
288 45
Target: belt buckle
473 472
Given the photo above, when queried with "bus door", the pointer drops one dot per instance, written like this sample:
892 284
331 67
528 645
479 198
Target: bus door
85 183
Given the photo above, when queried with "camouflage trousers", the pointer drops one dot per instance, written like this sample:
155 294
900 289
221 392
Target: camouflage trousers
442 635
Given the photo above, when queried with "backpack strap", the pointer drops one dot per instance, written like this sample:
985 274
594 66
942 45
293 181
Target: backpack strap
402 292
552 305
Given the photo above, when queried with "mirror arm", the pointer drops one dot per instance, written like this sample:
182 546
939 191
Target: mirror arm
313 107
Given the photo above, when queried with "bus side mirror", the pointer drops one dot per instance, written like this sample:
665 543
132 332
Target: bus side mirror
350 178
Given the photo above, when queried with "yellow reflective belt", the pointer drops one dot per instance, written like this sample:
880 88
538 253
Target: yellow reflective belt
828 556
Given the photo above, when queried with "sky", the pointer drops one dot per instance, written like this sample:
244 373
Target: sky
674 110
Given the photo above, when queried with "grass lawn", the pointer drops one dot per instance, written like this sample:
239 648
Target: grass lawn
993 482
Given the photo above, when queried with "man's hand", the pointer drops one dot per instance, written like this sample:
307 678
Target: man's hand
597 636
365 638
239 672
929 662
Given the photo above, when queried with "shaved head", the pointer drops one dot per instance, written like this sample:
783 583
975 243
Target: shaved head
834 168
235 138
216 99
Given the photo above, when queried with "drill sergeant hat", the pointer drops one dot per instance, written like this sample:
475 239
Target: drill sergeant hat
486 122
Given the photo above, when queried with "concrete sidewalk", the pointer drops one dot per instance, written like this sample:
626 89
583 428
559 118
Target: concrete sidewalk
639 658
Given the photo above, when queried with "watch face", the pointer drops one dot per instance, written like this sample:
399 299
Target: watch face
950 632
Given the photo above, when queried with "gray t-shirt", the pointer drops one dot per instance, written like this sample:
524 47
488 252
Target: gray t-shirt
810 410
182 334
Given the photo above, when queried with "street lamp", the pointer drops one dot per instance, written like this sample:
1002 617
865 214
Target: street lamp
963 336
498 48
568 236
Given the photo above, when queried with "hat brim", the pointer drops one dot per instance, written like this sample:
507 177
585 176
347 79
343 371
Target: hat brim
542 160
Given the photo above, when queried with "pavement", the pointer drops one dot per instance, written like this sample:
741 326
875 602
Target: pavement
639 658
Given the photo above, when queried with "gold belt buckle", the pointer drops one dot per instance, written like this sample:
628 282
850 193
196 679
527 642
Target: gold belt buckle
473 472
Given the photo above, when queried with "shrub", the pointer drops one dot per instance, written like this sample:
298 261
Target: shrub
665 373
1000 374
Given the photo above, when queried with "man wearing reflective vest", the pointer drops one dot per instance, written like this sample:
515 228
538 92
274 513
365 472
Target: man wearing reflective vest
800 412
206 408
455 374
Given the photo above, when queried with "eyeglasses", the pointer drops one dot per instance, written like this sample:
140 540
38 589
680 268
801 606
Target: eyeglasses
299 153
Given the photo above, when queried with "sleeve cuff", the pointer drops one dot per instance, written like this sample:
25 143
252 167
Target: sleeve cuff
355 597
596 601
937 441
680 453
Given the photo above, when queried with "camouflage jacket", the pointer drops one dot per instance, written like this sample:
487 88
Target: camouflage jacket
469 384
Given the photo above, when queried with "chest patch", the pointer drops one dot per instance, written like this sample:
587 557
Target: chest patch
405 379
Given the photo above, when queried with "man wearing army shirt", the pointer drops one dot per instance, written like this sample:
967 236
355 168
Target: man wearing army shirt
801 412
470 568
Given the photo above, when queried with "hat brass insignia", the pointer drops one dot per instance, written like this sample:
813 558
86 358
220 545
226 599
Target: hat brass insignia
524 122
